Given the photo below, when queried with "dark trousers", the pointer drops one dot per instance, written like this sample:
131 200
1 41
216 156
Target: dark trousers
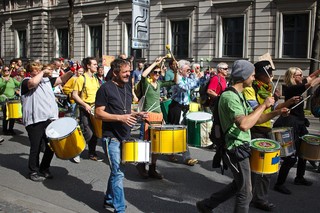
240 186
174 113
88 131
260 183
37 136
5 121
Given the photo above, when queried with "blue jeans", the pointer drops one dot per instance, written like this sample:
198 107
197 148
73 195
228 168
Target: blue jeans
115 192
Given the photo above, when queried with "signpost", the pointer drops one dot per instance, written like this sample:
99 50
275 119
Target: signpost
140 24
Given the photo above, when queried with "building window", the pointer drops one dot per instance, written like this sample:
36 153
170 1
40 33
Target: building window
22 48
232 37
295 35
180 38
96 41
130 51
63 43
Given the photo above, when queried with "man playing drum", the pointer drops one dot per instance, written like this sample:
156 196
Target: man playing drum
39 108
237 118
255 95
180 102
84 93
113 107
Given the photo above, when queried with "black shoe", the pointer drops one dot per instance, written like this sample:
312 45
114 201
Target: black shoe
35 177
202 208
12 132
141 167
153 173
266 206
1 139
282 189
302 181
46 174
107 205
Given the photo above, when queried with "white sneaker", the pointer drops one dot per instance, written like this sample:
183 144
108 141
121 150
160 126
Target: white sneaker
1 139
76 159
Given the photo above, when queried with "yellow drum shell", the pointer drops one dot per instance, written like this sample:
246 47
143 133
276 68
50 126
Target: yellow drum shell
70 146
260 162
14 110
66 138
136 151
265 160
97 126
194 107
168 139
310 150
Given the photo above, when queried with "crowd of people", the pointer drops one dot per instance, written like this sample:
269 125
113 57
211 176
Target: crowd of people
88 88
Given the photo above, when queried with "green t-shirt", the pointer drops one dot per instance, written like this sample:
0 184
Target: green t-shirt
152 99
230 106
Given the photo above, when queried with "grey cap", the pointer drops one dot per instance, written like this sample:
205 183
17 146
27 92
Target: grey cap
241 70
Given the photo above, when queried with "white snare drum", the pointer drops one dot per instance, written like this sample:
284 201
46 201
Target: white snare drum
284 135
66 138
199 126
135 151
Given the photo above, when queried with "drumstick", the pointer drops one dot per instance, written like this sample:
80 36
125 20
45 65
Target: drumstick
154 108
299 103
275 87
151 107
305 91
268 76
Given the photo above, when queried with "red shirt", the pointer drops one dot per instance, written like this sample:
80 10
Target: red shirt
216 86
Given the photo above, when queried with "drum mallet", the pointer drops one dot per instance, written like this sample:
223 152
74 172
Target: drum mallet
299 103
169 50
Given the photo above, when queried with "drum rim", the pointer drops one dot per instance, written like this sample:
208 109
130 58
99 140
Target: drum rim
161 127
265 139
311 143
13 101
139 141
65 136
279 128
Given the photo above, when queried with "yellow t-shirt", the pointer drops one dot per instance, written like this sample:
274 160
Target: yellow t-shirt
88 94
250 95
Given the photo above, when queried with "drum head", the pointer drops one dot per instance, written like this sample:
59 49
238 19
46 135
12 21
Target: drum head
199 116
265 145
61 128
312 139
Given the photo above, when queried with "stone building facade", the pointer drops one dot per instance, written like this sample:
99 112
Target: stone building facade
203 31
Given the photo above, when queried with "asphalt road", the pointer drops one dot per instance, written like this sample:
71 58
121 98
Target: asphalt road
80 187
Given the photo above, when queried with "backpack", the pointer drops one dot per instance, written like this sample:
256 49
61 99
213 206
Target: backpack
217 136
204 97
315 103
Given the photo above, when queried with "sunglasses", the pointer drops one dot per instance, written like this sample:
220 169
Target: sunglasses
6 69
300 75
157 72
225 68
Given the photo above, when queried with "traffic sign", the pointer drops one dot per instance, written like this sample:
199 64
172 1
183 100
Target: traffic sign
140 24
